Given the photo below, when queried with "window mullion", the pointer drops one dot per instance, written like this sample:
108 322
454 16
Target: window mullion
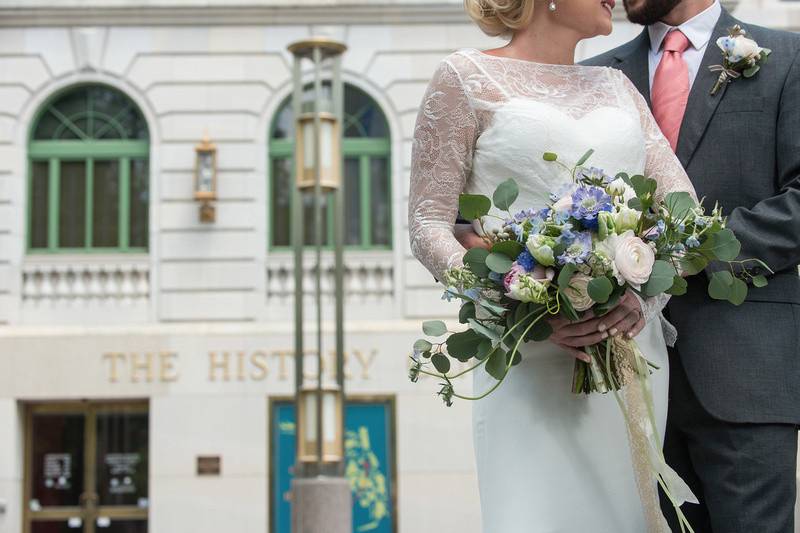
52 201
89 211
124 202
364 197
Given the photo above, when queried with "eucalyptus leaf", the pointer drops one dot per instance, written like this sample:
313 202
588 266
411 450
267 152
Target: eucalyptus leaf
484 331
600 289
760 281
722 245
496 365
441 363
466 312
644 187
474 206
679 286
679 203
510 248
661 279
749 73
693 264
475 258
499 263
484 349
463 345
422 345
505 194
738 292
434 328
719 288
541 331
565 276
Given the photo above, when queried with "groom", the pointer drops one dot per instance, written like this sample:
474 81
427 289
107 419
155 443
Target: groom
735 372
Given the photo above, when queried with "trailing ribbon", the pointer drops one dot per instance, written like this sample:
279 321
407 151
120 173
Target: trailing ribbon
726 75
650 468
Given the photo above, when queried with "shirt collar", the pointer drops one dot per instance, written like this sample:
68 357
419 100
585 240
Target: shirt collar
697 29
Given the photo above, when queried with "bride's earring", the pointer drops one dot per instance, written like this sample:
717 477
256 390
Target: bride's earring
552 5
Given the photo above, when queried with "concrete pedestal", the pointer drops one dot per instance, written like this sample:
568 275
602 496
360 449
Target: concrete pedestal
321 505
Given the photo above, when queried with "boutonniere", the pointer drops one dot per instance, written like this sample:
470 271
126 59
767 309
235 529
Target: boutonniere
741 56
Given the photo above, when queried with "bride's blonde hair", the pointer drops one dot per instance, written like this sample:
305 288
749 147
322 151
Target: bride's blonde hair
500 17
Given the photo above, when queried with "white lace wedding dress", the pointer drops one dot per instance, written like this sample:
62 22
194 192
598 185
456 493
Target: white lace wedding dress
548 461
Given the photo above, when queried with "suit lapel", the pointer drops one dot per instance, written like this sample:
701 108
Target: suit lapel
634 62
701 105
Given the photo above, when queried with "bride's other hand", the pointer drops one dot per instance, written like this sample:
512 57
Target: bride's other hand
466 235
625 319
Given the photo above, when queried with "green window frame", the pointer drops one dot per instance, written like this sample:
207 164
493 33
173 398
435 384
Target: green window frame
366 149
88 174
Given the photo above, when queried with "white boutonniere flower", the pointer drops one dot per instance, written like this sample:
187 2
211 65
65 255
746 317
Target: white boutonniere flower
741 56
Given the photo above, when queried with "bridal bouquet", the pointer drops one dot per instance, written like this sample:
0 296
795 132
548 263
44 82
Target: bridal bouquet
598 238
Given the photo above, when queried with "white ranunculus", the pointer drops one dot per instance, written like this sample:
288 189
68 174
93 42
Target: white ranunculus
626 219
578 293
634 259
739 48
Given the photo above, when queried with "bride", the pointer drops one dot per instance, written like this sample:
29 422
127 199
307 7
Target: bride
548 461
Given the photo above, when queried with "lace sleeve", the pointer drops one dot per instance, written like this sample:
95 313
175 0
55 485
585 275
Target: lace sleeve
444 140
663 166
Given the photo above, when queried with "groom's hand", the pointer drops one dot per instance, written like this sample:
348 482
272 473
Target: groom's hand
466 235
625 319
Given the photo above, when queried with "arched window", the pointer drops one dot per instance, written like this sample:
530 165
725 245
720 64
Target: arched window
89 179
367 176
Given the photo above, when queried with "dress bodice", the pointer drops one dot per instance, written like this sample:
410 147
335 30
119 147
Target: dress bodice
486 118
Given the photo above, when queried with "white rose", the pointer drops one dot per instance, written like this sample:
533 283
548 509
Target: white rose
634 259
626 219
739 48
578 293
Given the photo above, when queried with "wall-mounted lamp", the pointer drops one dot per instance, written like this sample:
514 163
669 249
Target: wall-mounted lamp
205 178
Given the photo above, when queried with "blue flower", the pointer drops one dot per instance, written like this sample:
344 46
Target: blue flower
587 203
692 242
518 230
526 260
578 251
567 235
594 175
656 231
473 294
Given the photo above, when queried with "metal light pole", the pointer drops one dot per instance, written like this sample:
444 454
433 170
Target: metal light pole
321 499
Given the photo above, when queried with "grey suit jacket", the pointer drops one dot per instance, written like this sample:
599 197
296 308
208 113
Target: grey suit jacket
741 148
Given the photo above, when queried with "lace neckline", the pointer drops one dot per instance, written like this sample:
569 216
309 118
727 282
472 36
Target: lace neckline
556 66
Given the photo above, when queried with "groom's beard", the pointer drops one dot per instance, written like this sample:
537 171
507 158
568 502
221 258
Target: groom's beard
646 12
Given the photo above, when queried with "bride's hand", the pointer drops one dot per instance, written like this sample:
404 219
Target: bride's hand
466 235
625 319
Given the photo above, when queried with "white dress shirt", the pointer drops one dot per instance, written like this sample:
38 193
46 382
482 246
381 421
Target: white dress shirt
697 29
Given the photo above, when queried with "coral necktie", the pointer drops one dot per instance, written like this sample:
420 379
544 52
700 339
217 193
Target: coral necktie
671 87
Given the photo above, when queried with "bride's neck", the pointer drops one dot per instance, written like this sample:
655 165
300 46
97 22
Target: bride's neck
543 43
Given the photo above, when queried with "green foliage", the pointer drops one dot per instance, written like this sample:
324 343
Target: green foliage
499 263
584 158
510 248
760 281
484 331
484 349
600 289
466 312
550 156
505 194
423 345
679 204
565 275
475 259
724 286
722 245
693 264
463 345
496 365
474 206
661 279
679 286
441 363
434 328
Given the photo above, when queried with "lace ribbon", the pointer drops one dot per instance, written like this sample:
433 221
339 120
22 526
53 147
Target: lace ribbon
649 466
